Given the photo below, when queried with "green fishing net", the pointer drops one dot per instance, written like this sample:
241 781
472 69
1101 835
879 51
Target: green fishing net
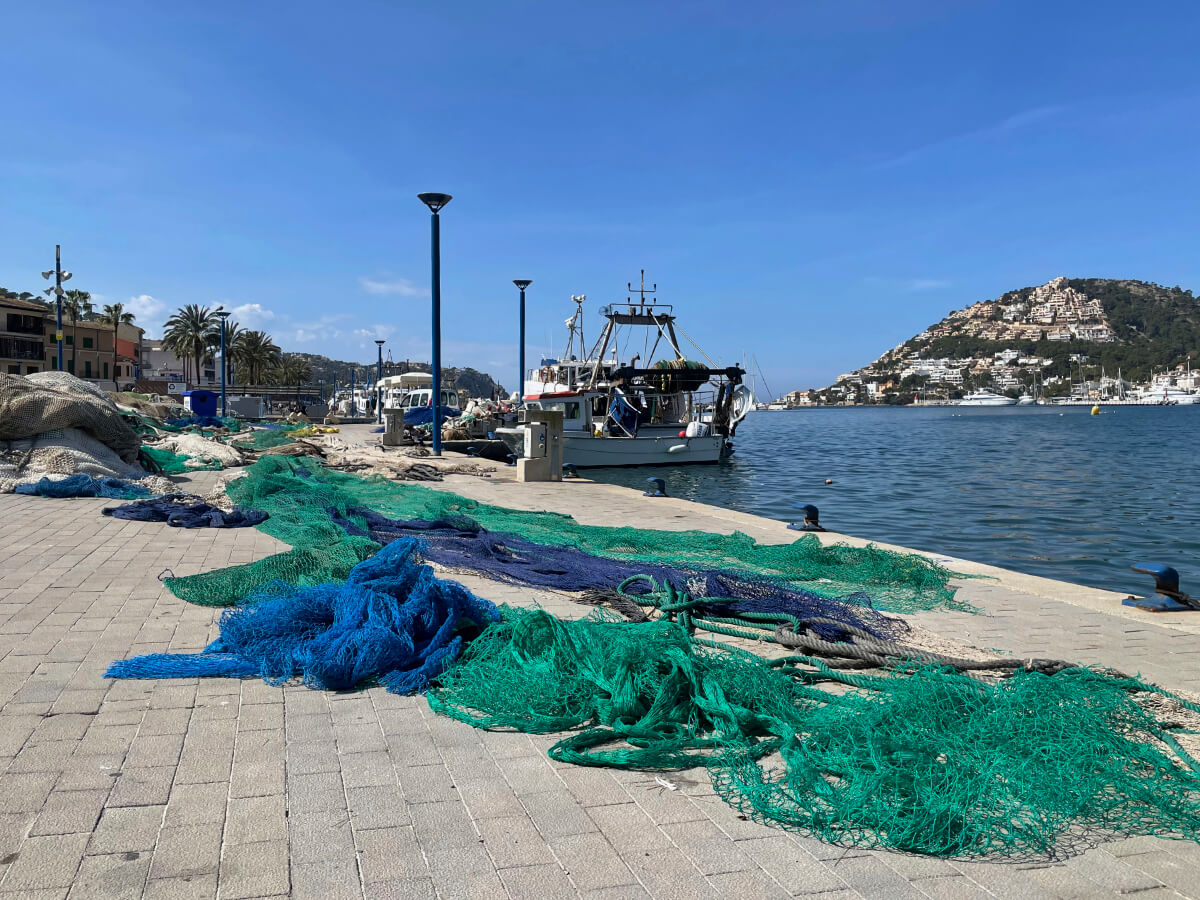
299 494
934 762
168 463
262 439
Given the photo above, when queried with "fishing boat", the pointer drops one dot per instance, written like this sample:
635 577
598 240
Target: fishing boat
986 398
673 412
1026 399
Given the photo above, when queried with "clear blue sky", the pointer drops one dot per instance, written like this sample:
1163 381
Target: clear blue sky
809 182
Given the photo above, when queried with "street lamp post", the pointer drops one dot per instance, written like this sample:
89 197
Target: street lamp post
57 291
378 389
224 314
435 202
521 283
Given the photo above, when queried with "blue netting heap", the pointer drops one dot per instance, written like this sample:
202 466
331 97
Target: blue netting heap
186 512
392 621
459 543
81 485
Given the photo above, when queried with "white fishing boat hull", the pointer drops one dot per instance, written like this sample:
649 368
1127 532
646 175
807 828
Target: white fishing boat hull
584 451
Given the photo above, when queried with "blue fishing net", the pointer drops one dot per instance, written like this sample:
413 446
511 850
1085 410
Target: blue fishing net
186 512
459 543
81 485
391 621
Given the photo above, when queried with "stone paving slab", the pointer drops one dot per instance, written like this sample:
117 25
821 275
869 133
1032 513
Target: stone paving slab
226 789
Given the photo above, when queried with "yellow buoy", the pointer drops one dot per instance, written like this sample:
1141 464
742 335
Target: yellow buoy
1095 410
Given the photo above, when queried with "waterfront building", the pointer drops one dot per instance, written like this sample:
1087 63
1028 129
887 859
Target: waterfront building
22 336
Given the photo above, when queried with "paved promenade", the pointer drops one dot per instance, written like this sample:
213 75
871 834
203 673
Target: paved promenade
233 789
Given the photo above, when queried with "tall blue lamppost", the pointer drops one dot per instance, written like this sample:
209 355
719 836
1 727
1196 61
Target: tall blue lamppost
435 202
57 292
378 388
521 283
224 314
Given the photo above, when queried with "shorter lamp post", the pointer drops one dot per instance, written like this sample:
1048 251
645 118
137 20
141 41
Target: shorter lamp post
521 283
224 314
57 292
435 202
378 387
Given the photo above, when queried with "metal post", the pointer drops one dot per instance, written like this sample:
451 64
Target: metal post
435 202
378 389
521 283
224 407
353 409
58 336
436 363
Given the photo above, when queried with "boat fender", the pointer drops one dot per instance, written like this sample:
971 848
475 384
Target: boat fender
683 433
677 448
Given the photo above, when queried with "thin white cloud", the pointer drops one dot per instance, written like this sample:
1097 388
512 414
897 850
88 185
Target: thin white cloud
1003 128
148 312
253 316
401 287
375 332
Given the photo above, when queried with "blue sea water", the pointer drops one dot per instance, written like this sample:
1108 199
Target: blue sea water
1050 491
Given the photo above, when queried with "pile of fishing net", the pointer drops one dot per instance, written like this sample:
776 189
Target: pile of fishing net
391 622
54 424
80 485
196 451
186 511
193 421
459 544
932 761
302 497
152 406
263 439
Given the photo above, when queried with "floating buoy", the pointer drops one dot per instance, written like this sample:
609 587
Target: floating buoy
1095 410
829 481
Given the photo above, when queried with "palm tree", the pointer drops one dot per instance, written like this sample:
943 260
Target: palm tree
77 304
255 354
189 334
114 314
233 331
292 372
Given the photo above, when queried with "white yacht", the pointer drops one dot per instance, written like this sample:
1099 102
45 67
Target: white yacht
986 398
673 412
1026 399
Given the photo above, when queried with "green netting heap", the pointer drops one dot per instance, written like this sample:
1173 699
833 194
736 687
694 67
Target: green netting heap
934 762
262 439
299 493
167 463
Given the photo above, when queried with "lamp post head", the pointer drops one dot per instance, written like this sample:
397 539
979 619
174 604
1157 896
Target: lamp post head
434 201
522 283
223 313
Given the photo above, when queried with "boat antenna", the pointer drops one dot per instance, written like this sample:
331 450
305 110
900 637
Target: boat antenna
640 290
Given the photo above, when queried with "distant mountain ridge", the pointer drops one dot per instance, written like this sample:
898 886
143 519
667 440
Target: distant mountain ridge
1038 334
